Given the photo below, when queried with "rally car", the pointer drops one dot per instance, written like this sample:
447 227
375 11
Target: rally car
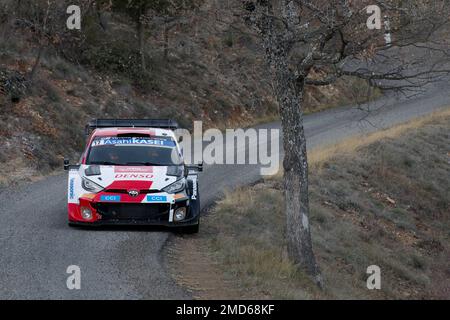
132 172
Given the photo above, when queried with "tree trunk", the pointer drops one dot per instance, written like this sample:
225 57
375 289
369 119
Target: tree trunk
18 10
140 34
36 64
166 41
289 88
98 12
289 94
41 36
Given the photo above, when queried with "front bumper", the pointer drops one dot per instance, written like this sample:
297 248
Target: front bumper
185 223
132 213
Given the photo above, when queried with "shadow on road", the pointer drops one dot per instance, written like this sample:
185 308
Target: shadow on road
138 228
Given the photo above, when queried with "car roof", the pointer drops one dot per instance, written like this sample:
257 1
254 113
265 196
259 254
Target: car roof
113 132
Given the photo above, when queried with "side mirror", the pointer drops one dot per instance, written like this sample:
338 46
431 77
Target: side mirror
198 168
180 139
66 164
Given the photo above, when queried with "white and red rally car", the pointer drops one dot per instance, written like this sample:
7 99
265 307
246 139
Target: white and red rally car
132 173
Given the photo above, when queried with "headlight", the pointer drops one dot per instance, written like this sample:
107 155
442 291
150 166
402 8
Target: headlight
180 214
175 187
86 213
90 186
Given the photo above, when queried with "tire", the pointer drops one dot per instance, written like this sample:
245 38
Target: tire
191 229
195 206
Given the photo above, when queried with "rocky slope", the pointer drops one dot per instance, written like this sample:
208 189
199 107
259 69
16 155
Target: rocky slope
210 69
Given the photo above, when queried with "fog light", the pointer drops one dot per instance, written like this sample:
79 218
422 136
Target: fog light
86 213
180 214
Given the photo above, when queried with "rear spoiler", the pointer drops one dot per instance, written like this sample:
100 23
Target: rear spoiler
131 123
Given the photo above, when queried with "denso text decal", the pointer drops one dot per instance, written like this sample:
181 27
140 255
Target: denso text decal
133 176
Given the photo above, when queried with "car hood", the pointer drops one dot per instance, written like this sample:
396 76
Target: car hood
128 177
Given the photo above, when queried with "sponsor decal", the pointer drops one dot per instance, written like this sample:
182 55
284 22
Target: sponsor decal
179 196
110 198
133 176
72 188
194 188
133 141
88 196
153 198
142 169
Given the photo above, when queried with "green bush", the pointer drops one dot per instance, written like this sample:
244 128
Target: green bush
228 40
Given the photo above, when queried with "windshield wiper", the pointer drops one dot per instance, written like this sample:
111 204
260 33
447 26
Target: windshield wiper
104 163
143 163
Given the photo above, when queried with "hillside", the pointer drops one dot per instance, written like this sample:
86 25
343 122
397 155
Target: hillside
205 67
382 200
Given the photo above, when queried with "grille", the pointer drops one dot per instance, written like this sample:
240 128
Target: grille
143 191
133 211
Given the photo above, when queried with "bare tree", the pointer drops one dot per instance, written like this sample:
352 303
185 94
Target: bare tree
142 11
45 20
172 15
137 10
35 17
40 22
330 38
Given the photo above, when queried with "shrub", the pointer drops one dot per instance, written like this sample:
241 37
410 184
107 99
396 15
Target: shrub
120 58
228 40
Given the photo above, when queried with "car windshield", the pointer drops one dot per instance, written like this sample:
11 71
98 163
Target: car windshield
135 151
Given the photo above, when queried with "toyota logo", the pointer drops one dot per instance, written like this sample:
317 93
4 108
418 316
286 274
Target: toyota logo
133 193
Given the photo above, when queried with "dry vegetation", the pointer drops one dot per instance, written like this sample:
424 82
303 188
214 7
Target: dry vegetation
212 72
382 200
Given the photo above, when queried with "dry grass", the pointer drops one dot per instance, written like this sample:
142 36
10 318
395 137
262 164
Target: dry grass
350 145
383 200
